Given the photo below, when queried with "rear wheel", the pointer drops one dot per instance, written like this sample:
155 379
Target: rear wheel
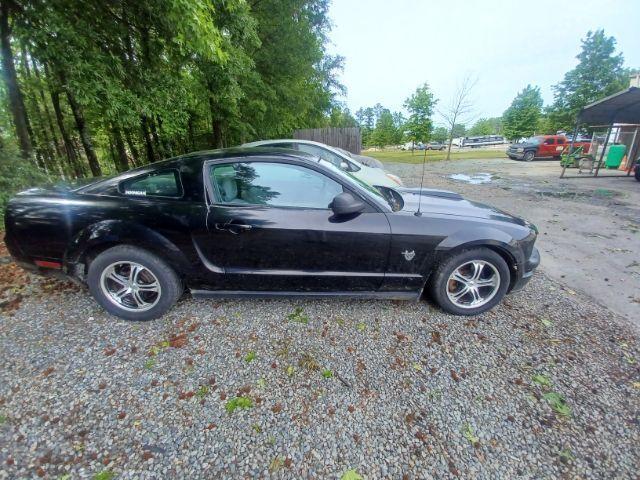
528 156
132 283
470 282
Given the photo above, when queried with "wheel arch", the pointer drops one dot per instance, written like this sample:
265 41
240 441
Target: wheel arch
493 239
100 236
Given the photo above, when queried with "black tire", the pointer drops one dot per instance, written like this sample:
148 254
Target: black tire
637 172
439 282
170 285
528 156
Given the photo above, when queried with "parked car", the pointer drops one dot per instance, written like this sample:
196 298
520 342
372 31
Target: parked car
636 169
363 159
412 146
543 146
266 222
435 146
371 175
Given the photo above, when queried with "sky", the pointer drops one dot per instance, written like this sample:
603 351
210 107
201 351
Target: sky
393 46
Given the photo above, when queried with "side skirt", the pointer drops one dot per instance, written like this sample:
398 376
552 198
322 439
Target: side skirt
414 296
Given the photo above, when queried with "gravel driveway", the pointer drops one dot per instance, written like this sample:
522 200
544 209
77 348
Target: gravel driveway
544 386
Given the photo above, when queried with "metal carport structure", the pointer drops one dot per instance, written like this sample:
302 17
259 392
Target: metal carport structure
614 111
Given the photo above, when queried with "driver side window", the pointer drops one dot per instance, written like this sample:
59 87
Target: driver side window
273 184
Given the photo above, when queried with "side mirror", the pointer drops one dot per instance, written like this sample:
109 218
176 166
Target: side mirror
346 204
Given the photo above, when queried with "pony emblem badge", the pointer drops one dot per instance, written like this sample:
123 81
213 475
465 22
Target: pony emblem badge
408 255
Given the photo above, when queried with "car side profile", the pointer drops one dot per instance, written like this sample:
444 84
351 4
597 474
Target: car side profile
367 169
543 146
267 222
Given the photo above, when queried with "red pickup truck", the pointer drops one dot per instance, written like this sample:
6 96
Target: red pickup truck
543 146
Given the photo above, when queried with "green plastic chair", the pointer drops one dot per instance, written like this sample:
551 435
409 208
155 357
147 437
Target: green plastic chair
615 155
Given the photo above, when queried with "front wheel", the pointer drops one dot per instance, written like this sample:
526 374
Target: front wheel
132 283
528 156
470 282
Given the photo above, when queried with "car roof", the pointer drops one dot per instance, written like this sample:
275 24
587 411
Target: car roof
194 158
283 140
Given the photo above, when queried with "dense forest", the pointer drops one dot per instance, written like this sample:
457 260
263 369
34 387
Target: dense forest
91 88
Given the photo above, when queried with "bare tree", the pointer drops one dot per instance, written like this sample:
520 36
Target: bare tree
460 109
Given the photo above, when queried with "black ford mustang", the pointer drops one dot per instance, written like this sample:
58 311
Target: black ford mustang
270 222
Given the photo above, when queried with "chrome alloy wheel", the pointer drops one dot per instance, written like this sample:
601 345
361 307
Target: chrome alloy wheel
130 286
473 284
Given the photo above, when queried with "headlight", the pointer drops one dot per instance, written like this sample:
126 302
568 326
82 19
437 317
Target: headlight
519 149
394 178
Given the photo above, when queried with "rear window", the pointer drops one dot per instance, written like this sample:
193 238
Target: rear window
164 183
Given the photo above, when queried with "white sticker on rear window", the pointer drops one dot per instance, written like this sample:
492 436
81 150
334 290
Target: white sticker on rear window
135 192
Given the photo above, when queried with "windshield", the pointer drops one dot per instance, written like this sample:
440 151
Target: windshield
536 140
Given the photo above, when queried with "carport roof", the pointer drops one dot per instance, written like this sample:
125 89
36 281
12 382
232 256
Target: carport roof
621 107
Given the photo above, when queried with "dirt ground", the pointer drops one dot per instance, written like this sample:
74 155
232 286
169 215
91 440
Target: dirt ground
589 227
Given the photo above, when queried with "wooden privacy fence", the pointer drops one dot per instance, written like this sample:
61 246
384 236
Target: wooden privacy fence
346 138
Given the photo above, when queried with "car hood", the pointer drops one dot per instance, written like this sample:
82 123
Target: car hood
523 145
368 161
450 203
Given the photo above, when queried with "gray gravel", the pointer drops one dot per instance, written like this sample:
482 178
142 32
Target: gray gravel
415 393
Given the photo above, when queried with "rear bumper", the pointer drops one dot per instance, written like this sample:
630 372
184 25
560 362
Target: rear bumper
529 267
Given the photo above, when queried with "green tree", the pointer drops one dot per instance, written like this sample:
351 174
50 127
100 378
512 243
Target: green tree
440 134
458 130
599 73
522 117
367 122
486 126
99 87
341 117
420 106
385 132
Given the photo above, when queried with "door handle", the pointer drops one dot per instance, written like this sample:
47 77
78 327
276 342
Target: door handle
234 228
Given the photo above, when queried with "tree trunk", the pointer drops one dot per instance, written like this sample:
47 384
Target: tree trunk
216 126
156 139
167 145
132 146
191 139
47 112
66 139
85 136
16 102
45 148
453 125
144 124
122 163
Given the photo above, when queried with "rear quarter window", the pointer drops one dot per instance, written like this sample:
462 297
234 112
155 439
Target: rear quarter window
164 183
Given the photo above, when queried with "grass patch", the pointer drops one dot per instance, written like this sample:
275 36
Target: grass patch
541 380
327 373
298 316
467 432
104 475
558 403
400 156
351 475
202 392
238 402
250 357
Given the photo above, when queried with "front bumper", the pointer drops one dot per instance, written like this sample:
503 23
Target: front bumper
515 155
527 272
